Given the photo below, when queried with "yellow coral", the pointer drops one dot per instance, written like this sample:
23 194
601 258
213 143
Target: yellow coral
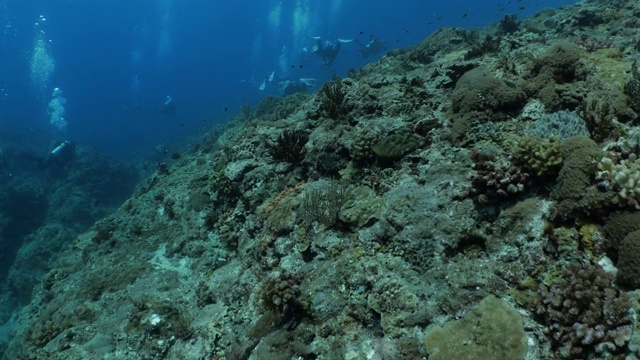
541 156
587 234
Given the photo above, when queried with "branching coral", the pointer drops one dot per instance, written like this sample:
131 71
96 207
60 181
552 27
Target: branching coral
622 177
583 313
542 157
281 296
563 124
496 179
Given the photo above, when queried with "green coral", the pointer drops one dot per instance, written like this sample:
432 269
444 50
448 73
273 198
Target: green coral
619 226
542 157
629 260
361 149
577 170
479 90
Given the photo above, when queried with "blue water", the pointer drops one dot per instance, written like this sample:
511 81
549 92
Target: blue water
115 61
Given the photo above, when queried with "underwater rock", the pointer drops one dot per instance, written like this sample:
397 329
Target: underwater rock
398 144
363 207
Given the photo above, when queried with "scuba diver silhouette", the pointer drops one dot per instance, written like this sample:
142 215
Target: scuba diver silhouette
374 47
168 108
328 50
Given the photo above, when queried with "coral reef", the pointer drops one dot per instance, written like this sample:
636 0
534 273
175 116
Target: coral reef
458 198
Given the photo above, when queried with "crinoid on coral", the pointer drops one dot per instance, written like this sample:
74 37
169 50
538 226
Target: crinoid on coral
332 99
598 115
289 146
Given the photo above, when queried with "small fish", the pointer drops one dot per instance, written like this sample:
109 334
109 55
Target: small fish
263 85
464 15
273 73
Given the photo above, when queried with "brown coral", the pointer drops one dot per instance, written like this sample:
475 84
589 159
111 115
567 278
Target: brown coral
583 313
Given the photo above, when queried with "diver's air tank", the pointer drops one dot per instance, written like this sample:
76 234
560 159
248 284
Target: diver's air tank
59 148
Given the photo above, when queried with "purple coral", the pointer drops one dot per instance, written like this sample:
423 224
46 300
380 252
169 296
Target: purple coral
583 313
496 179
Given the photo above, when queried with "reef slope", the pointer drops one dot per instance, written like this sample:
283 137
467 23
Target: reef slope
469 196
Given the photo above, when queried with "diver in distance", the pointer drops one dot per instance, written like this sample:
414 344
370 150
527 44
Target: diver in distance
168 108
60 157
132 108
289 87
328 50
374 47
